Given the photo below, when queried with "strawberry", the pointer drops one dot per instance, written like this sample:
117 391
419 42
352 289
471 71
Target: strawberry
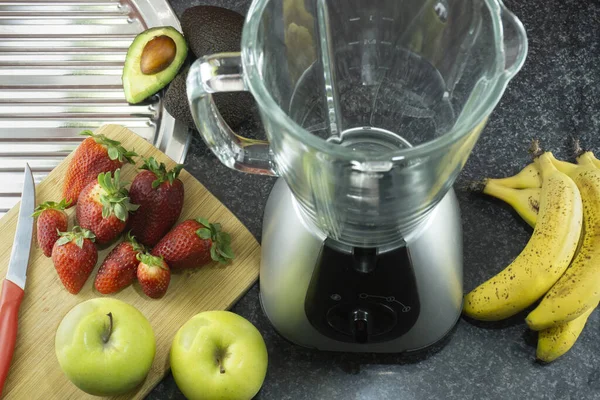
194 243
159 193
103 207
74 256
153 275
51 220
118 270
94 155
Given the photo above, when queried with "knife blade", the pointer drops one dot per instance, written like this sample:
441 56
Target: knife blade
14 284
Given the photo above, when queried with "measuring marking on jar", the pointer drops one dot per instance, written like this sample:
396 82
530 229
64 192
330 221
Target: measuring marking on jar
389 299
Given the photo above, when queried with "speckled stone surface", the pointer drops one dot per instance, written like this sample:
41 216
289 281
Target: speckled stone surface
554 98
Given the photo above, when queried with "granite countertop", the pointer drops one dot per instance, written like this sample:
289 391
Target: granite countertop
554 98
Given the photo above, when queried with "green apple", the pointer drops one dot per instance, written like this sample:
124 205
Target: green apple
105 346
218 355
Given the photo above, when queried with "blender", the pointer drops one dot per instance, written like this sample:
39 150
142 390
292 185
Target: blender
371 109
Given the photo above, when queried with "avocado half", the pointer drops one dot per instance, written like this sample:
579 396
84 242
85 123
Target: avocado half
139 86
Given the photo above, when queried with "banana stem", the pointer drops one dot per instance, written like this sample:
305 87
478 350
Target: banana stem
578 149
535 149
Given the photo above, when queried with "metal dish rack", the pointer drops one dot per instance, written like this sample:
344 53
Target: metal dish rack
60 73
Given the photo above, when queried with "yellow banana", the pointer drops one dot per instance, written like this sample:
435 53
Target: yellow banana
524 201
528 177
556 341
545 257
588 158
579 288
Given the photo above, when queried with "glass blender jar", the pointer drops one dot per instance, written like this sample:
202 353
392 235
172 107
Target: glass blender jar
371 109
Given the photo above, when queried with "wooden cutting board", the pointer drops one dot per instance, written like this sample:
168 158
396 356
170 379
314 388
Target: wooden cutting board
35 372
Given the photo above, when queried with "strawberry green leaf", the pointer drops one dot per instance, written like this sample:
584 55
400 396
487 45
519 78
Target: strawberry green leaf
87 133
128 204
213 253
78 234
220 249
128 155
113 153
113 147
224 238
51 205
107 208
87 234
160 171
64 203
120 211
152 261
137 246
174 173
204 233
115 199
226 251
63 240
203 221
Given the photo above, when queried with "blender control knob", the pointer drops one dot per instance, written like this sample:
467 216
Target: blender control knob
360 325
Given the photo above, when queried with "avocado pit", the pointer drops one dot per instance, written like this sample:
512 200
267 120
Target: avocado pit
158 55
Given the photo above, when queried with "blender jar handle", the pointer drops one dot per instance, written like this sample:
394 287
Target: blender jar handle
515 41
219 73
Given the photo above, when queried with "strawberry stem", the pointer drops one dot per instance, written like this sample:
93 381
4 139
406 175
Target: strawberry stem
220 249
160 170
151 261
78 234
137 246
115 199
113 147
51 205
108 332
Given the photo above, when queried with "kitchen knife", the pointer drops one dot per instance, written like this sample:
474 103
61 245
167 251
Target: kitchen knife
14 284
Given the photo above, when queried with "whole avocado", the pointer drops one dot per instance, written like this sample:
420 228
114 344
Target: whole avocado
234 107
210 30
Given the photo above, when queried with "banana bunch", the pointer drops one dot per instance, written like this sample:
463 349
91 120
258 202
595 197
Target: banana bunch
560 265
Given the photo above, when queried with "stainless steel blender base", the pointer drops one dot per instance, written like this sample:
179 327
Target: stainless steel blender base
290 249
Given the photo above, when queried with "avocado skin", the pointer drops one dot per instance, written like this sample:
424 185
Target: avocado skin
210 29
137 86
235 107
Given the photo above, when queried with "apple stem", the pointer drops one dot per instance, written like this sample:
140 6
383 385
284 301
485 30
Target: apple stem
107 333
220 355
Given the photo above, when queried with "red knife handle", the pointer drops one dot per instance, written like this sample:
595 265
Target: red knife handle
10 300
